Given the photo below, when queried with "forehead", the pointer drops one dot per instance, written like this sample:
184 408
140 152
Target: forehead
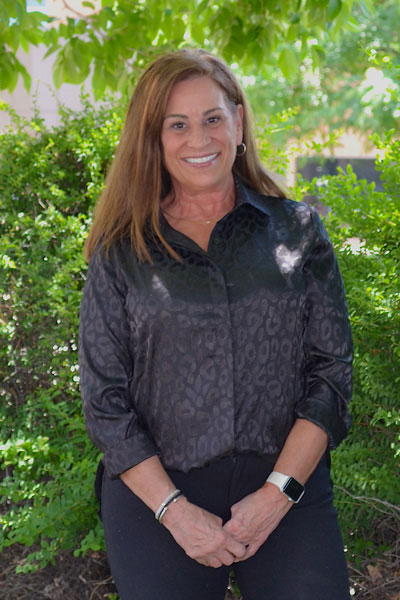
195 93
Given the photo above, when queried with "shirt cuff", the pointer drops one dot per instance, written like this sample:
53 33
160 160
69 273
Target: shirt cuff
324 413
128 453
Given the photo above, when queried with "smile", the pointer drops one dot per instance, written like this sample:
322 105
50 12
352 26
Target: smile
201 160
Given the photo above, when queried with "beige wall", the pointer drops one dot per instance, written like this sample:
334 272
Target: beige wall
42 90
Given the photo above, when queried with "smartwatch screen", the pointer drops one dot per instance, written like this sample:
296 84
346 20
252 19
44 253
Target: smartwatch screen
293 489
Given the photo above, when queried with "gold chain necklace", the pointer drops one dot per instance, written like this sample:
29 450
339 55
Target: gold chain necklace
208 222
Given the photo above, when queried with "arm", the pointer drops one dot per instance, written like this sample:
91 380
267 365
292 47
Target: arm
327 343
321 412
197 531
106 368
255 517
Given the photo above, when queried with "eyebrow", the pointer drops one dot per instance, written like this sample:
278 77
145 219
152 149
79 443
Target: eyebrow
178 116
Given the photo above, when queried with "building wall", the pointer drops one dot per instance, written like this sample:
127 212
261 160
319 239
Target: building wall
43 93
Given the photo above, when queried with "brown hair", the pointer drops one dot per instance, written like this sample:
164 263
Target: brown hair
137 179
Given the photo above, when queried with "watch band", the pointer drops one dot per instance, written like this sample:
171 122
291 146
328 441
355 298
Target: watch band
289 486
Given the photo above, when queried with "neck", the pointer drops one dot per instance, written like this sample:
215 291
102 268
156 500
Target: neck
200 205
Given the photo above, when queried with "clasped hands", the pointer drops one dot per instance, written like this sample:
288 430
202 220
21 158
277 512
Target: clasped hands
205 538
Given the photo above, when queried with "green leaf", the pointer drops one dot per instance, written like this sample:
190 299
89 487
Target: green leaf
197 33
5 74
12 38
58 71
287 62
318 55
334 8
270 36
368 7
352 24
98 79
51 50
26 77
178 30
293 33
24 44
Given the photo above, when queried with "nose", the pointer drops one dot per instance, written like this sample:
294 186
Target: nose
198 137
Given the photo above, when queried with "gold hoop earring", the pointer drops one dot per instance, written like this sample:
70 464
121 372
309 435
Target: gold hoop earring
243 149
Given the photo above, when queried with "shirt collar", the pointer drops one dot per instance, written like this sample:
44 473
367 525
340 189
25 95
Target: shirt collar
244 195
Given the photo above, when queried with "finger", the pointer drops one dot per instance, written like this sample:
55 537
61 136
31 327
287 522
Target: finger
236 547
227 558
236 530
213 562
209 561
250 551
230 526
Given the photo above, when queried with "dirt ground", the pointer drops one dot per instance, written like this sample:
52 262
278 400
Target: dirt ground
88 578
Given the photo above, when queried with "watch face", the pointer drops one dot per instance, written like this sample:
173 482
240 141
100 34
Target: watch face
293 489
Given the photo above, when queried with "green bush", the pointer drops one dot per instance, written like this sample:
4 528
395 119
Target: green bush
366 465
49 180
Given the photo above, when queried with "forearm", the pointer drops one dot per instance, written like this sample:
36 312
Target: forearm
197 531
149 481
256 516
303 449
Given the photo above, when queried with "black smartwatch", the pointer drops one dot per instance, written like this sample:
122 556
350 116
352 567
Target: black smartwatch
287 485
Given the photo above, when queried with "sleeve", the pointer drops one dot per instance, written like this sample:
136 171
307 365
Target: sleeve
106 371
327 342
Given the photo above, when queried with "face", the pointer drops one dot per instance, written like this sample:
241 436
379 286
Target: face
199 136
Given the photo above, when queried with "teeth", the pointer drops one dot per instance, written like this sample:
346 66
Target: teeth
203 159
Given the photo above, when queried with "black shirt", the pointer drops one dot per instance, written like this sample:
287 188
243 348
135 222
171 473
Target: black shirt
222 352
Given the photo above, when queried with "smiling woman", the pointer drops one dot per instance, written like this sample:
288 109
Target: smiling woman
140 151
215 355
199 148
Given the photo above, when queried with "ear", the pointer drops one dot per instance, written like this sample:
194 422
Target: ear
239 124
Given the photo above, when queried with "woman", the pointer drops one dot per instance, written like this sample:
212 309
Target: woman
215 355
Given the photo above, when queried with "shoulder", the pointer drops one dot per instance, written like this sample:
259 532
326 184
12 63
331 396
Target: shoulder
108 265
110 258
283 209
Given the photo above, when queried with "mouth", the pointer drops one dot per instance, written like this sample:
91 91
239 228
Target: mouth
201 160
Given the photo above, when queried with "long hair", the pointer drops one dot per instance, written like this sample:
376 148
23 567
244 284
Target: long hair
137 179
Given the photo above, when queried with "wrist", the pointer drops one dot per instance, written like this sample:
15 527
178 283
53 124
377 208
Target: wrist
174 512
171 499
287 485
270 492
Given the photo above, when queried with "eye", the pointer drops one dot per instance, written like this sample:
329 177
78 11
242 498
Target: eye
179 125
214 120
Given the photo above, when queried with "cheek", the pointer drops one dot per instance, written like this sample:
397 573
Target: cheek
231 142
166 150
169 147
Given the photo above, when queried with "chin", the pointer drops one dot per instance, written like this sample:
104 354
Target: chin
206 181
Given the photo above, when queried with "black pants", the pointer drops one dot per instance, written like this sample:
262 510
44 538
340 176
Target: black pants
303 559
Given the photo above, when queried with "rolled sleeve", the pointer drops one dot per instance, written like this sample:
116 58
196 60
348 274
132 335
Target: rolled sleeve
106 371
327 342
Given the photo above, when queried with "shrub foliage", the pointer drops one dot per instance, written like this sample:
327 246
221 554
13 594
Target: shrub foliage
366 466
48 183
49 180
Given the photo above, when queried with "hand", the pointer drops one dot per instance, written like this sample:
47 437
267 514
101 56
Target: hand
202 535
255 517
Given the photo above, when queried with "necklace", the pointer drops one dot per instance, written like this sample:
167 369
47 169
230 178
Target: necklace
208 222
